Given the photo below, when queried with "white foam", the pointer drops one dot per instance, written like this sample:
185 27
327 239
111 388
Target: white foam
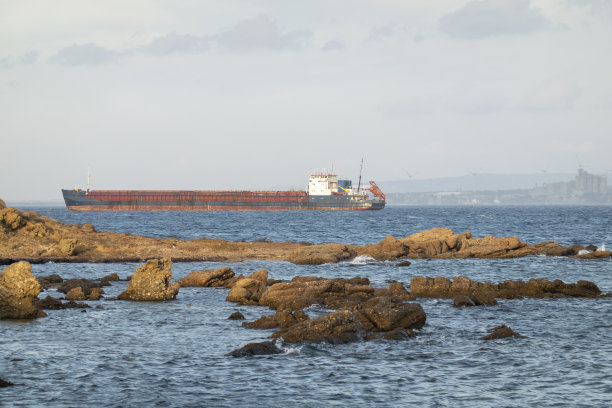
584 252
287 350
602 247
362 260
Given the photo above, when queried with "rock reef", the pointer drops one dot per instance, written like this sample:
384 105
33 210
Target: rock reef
36 238
18 289
151 283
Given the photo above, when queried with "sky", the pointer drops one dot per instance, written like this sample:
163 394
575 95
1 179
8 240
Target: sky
237 94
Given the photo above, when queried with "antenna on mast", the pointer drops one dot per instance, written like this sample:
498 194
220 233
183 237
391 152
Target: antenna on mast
88 177
359 183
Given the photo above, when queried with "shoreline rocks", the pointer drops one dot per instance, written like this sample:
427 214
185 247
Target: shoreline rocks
500 332
256 349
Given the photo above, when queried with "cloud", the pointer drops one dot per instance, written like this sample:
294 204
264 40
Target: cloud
480 19
261 32
177 43
29 57
380 33
332 46
5 63
550 97
88 54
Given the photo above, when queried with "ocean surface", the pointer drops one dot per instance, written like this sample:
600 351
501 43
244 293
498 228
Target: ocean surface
174 354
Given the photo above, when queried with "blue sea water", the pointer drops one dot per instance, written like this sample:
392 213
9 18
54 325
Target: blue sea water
174 353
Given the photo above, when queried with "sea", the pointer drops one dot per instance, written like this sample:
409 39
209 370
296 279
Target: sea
175 353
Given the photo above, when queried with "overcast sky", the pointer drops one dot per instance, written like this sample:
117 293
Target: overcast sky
253 94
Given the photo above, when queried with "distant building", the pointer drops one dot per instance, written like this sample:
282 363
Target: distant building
584 185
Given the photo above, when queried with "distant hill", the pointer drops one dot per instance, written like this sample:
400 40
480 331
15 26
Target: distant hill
476 182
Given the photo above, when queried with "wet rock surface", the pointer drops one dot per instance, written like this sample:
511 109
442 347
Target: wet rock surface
86 285
337 327
248 291
50 281
282 318
76 294
442 287
18 289
236 316
256 349
2 382
51 303
151 282
500 332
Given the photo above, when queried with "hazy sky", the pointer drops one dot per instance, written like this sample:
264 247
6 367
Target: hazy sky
255 94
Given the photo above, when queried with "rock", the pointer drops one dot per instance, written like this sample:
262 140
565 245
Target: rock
256 349
474 300
388 249
387 314
18 289
396 290
282 318
3 383
591 248
88 228
248 291
338 327
403 263
75 294
399 334
485 292
96 294
67 246
500 332
596 255
86 285
2 204
50 281
51 303
322 254
151 282
208 278
302 292
236 316
10 218
434 242
111 277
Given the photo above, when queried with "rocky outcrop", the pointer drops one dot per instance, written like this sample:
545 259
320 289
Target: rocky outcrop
248 291
18 289
302 292
2 204
442 287
388 249
500 332
209 278
85 285
282 318
474 300
51 303
236 316
151 282
256 349
338 327
322 254
11 219
385 314
111 277
96 294
50 281
75 294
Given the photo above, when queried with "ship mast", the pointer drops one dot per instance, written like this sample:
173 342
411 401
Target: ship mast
88 177
359 183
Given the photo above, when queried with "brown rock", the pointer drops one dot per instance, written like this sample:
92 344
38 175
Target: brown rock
96 294
388 249
86 285
322 254
3 383
67 246
387 314
2 204
51 303
256 349
396 290
591 248
282 318
18 289
151 282
335 328
75 294
404 263
500 332
474 300
49 281
399 334
249 290
111 277
208 278
236 316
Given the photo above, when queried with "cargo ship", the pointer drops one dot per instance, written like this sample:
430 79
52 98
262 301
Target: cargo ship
325 192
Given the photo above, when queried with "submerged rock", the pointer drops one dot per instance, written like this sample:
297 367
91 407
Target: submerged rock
384 314
474 300
86 285
51 303
18 289
282 318
151 282
236 316
2 382
49 281
256 349
500 332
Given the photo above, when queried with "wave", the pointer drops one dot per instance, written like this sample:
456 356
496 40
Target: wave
362 260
